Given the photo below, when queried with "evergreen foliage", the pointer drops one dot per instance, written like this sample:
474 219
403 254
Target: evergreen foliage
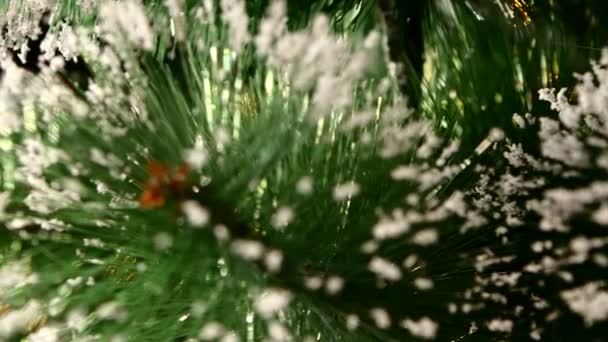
273 170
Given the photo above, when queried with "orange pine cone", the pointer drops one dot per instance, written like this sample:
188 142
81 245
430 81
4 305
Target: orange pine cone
152 198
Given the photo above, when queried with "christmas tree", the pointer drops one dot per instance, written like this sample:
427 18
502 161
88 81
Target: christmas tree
273 170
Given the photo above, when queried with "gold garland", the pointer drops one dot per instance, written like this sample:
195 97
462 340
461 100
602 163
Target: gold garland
523 9
4 309
37 323
124 269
